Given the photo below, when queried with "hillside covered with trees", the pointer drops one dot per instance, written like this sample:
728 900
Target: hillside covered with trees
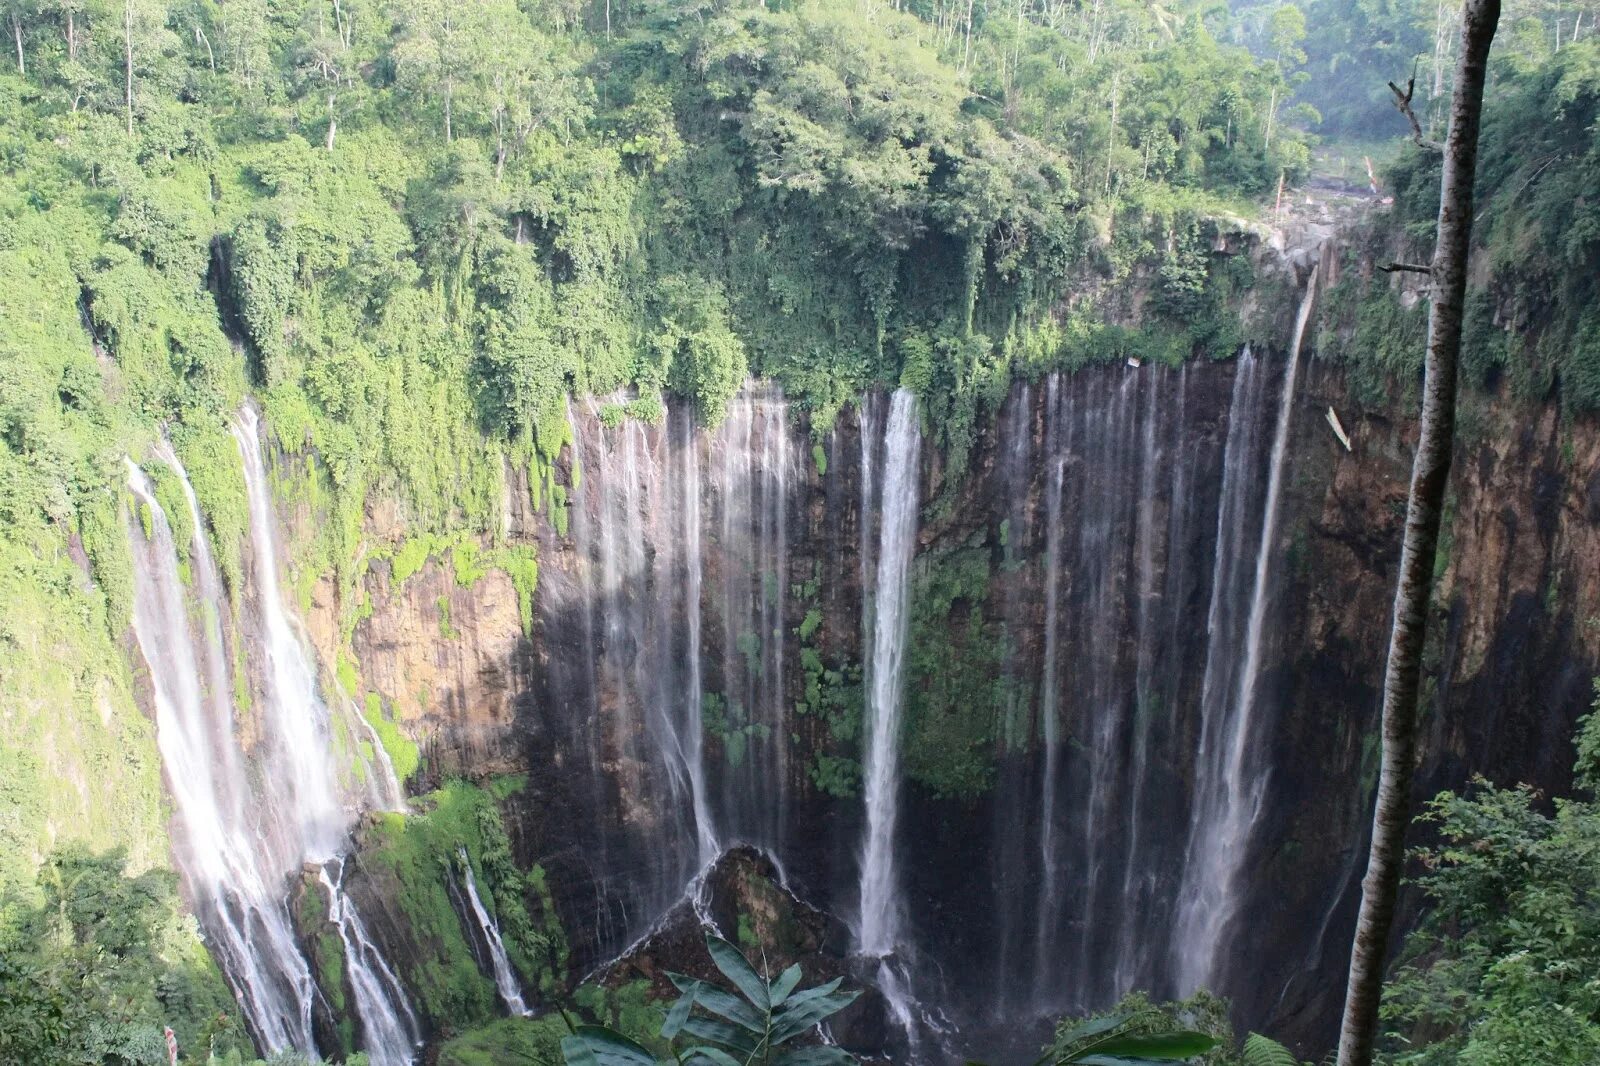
412 231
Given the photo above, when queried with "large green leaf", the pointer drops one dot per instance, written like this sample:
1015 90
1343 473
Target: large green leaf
1093 1027
680 1011
725 1004
797 998
736 968
575 1052
730 1036
796 1018
816 1056
1159 1047
700 1055
604 1047
785 984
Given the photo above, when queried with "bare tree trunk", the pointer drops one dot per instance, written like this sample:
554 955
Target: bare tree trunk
333 121
1429 477
127 51
1111 139
16 32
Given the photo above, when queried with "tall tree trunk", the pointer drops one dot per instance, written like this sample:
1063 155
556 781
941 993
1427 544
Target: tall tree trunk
127 68
1429 476
16 32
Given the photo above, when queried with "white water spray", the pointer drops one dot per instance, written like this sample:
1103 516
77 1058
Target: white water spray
222 849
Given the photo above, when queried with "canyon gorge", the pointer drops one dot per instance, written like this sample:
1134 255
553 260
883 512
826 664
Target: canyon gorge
1093 714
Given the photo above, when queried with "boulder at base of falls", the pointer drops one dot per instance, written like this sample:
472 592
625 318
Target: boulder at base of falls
743 895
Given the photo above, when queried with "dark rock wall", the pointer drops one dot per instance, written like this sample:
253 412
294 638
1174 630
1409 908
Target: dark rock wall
1515 645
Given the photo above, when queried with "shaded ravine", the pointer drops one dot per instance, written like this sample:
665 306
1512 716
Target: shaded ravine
1131 510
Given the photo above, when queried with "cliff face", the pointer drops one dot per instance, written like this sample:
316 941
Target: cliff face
692 677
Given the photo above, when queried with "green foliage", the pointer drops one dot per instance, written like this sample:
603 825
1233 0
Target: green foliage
1262 1051
751 1027
956 693
526 1041
1139 1031
1533 305
101 964
402 750
416 856
1503 968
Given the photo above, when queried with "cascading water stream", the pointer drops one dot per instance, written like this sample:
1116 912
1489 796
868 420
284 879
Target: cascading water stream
299 775
505 978
390 1033
1229 786
693 750
676 574
879 934
1049 713
245 832
221 849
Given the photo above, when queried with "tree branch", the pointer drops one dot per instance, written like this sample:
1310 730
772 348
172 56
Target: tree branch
1408 268
1402 104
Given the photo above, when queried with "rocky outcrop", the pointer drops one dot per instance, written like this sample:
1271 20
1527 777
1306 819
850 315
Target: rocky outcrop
742 898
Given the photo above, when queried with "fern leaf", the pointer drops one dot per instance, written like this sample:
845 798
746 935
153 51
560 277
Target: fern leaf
1260 1051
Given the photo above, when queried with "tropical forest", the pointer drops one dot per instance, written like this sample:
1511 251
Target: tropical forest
799 532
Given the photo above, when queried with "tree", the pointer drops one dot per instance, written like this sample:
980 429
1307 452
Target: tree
18 14
1502 969
144 38
1429 479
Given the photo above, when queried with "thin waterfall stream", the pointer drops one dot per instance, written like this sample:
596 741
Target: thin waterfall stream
880 933
1230 786
505 977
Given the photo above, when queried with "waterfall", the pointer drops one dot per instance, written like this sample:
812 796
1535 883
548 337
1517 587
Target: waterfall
245 826
1009 859
1158 680
1105 520
233 883
693 752
390 1033
754 473
505 978
300 775
1229 782
879 933
1050 686
676 575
